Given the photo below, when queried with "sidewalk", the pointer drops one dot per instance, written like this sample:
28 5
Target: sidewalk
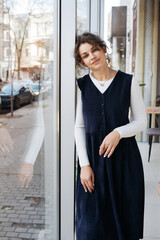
22 211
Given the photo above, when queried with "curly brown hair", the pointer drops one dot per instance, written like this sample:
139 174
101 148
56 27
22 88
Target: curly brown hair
90 38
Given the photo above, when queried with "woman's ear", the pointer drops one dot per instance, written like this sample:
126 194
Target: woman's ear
83 64
104 49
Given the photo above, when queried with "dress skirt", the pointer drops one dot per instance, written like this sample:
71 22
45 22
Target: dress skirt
115 209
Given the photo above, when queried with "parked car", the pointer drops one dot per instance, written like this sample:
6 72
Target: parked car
21 95
38 88
26 82
2 83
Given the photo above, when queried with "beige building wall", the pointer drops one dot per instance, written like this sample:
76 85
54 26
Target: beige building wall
40 33
139 68
129 29
155 51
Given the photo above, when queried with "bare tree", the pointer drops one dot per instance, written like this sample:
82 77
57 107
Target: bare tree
18 24
19 38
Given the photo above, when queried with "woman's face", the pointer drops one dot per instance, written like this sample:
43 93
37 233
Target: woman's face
92 57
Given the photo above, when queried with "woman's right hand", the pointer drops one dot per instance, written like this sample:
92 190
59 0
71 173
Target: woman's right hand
6 143
87 178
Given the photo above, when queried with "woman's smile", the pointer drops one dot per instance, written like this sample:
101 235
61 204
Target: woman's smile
95 61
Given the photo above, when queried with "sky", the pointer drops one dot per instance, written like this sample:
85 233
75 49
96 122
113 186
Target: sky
23 6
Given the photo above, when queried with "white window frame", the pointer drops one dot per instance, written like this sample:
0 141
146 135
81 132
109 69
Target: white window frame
67 106
68 29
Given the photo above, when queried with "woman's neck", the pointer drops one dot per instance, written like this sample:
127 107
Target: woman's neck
102 74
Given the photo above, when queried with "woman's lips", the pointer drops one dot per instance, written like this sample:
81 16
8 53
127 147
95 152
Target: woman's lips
95 61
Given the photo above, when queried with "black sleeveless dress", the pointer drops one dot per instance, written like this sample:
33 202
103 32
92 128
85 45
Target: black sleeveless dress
115 209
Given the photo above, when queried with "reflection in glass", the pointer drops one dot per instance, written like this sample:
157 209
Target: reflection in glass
7 88
83 24
83 16
26 67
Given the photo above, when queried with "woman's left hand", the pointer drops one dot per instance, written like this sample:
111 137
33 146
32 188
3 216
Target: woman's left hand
109 143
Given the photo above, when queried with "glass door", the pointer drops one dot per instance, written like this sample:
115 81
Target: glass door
29 128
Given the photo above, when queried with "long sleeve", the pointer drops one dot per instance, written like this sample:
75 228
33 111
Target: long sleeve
80 133
138 121
36 137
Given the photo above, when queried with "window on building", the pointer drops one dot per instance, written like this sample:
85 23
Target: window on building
6 52
6 35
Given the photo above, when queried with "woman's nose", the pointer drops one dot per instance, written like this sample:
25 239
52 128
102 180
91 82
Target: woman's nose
92 56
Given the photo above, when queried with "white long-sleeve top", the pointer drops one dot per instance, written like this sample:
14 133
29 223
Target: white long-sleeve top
138 118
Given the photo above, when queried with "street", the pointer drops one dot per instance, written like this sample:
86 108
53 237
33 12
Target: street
21 207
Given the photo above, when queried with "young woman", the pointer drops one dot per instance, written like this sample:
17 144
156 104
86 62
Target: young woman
110 184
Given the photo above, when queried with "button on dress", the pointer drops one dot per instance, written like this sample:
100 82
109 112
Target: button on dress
115 209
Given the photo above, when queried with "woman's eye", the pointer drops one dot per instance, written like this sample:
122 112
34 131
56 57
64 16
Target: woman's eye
95 49
84 56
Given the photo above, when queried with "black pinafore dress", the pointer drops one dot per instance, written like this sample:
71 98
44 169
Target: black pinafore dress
115 209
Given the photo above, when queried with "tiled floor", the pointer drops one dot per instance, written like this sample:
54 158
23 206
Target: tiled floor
152 199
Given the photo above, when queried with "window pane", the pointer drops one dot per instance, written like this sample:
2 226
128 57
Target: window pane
28 169
83 15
